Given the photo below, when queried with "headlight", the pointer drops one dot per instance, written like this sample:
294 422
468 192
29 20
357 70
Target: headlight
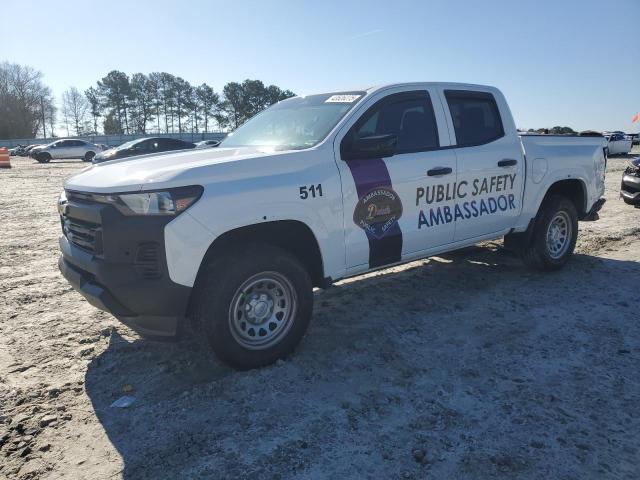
170 202
62 203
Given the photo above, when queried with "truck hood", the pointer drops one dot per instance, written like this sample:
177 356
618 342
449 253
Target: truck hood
171 170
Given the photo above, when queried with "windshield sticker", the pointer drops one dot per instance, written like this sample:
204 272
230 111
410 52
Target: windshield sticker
342 98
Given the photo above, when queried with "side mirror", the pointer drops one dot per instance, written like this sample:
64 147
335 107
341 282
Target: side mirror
374 146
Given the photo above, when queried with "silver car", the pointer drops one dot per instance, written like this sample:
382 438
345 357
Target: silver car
69 148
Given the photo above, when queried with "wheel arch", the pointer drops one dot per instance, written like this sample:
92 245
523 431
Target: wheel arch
573 189
292 236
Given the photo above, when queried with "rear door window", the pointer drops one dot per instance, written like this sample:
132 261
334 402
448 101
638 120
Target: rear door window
165 144
475 115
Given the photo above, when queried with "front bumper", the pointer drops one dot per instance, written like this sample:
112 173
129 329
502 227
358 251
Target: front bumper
630 188
119 265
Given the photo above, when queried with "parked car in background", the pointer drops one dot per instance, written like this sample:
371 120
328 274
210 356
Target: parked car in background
143 146
67 148
618 143
207 144
630 188
635 138
19 150
27 151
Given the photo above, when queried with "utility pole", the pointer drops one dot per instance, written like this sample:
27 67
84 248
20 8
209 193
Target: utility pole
44 123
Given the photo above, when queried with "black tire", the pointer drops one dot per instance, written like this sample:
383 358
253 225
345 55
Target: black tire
43 157
539 254
88 156
217 294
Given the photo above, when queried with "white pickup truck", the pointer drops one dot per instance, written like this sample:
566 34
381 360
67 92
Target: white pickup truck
315 189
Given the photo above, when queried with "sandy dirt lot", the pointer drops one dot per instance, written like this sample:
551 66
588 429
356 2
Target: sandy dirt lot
461 366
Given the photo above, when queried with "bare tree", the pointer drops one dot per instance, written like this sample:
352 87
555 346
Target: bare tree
75 110
22 96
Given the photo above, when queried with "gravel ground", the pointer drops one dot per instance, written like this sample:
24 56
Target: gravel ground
466 365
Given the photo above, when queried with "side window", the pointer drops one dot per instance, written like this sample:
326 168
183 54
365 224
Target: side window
408 115
475 115
164 144
140 147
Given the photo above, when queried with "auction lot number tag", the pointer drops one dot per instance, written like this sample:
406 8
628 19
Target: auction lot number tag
342 99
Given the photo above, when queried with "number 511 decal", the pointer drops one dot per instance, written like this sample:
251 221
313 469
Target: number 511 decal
311 191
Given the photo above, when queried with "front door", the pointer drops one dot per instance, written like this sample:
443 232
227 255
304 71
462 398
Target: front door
386 214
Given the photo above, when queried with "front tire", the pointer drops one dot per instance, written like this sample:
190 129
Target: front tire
43 157
554 235
89 156
253 305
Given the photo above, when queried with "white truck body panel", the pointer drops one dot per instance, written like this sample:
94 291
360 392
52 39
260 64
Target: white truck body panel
248 186
552 158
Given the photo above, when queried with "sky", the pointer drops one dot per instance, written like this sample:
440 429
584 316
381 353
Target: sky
570 62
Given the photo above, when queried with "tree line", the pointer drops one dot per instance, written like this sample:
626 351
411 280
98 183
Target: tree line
554 131
120 104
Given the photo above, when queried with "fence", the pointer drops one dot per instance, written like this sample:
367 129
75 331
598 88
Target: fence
115 140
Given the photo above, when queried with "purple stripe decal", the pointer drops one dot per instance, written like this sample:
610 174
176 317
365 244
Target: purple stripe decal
368 175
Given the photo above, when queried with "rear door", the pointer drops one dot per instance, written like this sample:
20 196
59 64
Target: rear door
384 198
62 149
167 144
490 163
76 149
175 144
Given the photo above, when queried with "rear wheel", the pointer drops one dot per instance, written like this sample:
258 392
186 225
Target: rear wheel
554 235
43 157
253 305
89 156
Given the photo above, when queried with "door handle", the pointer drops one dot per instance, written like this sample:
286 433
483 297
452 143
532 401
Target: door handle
436 172
507 162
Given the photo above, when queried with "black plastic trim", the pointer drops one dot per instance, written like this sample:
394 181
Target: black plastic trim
136 290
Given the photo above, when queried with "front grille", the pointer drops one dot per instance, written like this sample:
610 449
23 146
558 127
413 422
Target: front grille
632 170
81 197
85 235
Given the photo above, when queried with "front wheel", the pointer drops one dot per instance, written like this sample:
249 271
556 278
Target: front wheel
253 305
554 235
43 157
89 156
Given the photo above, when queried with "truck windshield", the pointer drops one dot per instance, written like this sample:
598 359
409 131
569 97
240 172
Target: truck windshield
295 123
